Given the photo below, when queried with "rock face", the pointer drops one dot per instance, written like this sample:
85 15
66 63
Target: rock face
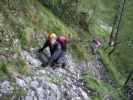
46 83
5 88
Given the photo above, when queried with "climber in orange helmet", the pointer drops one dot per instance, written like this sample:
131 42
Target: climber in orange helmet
55 48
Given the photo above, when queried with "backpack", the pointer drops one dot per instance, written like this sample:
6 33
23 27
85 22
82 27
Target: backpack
63 41
98 43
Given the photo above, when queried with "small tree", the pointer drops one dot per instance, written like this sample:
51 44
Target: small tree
113 41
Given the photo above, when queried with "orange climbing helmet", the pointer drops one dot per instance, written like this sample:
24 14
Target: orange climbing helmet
51 35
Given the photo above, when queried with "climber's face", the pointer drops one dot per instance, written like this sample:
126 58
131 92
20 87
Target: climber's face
52 38
53 41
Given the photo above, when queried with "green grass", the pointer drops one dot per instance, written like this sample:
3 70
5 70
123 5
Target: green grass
9 69
96 84
56 79
3 67
3 75
23 39
3 71
111 68
79 51
100 31
102 89
22 67
52 23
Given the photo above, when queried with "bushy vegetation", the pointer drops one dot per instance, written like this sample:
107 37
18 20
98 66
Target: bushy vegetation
102 90
10 69
119 63
3 71
22 67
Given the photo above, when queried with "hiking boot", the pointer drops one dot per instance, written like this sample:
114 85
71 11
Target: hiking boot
63 65
43 65
53 65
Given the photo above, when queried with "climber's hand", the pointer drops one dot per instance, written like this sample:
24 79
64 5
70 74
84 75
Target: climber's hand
40 50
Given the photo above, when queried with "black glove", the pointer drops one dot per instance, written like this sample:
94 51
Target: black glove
40 50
